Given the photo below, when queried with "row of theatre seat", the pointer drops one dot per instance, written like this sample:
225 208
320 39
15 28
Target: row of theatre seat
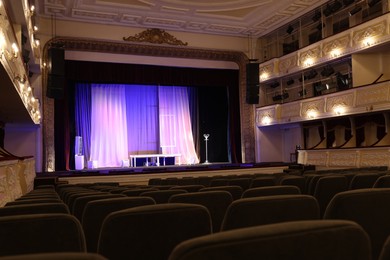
192 221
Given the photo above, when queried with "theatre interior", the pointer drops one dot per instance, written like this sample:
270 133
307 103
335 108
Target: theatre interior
184 130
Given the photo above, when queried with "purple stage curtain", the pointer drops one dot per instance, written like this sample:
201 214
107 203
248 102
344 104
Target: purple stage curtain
142 119
83 117
175 124
109 144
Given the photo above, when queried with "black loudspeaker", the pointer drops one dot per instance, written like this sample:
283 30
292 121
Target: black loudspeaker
56 73
55 86
252 83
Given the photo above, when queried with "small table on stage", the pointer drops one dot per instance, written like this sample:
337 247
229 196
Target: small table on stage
133 158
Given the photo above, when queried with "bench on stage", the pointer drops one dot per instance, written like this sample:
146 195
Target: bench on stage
148 158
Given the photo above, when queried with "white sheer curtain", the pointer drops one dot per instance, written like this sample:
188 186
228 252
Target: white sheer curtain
175 124
108 125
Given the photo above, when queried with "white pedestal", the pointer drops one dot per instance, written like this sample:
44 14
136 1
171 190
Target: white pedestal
92 164
79 162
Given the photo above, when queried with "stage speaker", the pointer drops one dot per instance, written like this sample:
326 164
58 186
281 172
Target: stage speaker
252 83
56 73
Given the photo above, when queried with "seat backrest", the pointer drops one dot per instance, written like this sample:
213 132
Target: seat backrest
244 183
367 207
271 191
293 180
385 251
382 182
151 232
56 256
136 191
270 209
188 188
162 196
363 180
33 201
216 202
40 233
327 187
263 181
79 203
36 208
303 240
235 191
96 211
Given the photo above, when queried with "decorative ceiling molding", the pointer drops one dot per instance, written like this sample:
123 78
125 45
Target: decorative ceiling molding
155 36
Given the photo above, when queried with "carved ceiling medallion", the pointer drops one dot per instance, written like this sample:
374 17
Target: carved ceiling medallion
155 36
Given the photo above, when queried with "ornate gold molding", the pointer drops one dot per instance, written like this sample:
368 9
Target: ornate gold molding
155 36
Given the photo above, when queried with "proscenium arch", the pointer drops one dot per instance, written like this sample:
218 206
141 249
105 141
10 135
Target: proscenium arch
89 45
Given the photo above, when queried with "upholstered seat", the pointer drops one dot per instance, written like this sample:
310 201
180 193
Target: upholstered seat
216 202
327 187
303 240
96 211
40 233
36 208
235 191
270 191
270 209
162 196
367 207
151 232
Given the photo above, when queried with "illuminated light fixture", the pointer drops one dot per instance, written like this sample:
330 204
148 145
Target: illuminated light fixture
29 89
335 52
264 76
35 28
308 62
266 119
355 10
15 50
311 113
368 41
339 109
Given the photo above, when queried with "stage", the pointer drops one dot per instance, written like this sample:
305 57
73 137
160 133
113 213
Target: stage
141 174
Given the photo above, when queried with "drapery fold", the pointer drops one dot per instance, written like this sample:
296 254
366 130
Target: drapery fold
175 124
108 125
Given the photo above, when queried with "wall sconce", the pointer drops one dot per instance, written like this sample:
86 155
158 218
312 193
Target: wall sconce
308 62
264 76
311 113
266 119
368 41
339 109
335 53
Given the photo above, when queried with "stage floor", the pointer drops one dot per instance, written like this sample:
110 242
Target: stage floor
141 175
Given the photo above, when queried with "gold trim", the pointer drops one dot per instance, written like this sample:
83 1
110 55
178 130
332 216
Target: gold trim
155 36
